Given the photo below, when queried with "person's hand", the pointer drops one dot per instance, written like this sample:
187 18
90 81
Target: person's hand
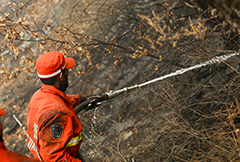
94 101
84 97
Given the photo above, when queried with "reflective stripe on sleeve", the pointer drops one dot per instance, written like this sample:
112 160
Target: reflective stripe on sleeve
75 140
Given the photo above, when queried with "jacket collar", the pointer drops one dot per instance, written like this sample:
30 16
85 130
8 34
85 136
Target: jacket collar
52 89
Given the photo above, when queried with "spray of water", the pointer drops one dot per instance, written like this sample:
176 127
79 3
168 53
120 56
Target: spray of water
217 59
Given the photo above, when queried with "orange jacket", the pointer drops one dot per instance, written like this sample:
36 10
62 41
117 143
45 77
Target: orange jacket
53 125
9 156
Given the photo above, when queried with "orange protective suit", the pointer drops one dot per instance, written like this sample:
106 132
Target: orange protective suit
53 125
9 156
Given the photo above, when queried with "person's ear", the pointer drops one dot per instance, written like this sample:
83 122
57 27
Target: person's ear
61 76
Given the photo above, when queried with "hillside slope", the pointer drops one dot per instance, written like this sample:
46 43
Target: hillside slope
188 117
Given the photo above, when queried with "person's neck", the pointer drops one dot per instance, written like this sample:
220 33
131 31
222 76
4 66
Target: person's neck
57 85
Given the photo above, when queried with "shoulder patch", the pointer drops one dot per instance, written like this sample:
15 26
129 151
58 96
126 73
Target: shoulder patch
57 131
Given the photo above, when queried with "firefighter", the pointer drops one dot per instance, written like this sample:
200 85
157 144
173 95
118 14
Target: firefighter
52 122
9 156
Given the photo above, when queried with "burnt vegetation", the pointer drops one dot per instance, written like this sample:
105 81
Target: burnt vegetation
119 43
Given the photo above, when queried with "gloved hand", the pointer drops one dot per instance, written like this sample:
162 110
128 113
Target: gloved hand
94 101
84 97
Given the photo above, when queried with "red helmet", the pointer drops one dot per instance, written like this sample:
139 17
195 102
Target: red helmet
52 63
